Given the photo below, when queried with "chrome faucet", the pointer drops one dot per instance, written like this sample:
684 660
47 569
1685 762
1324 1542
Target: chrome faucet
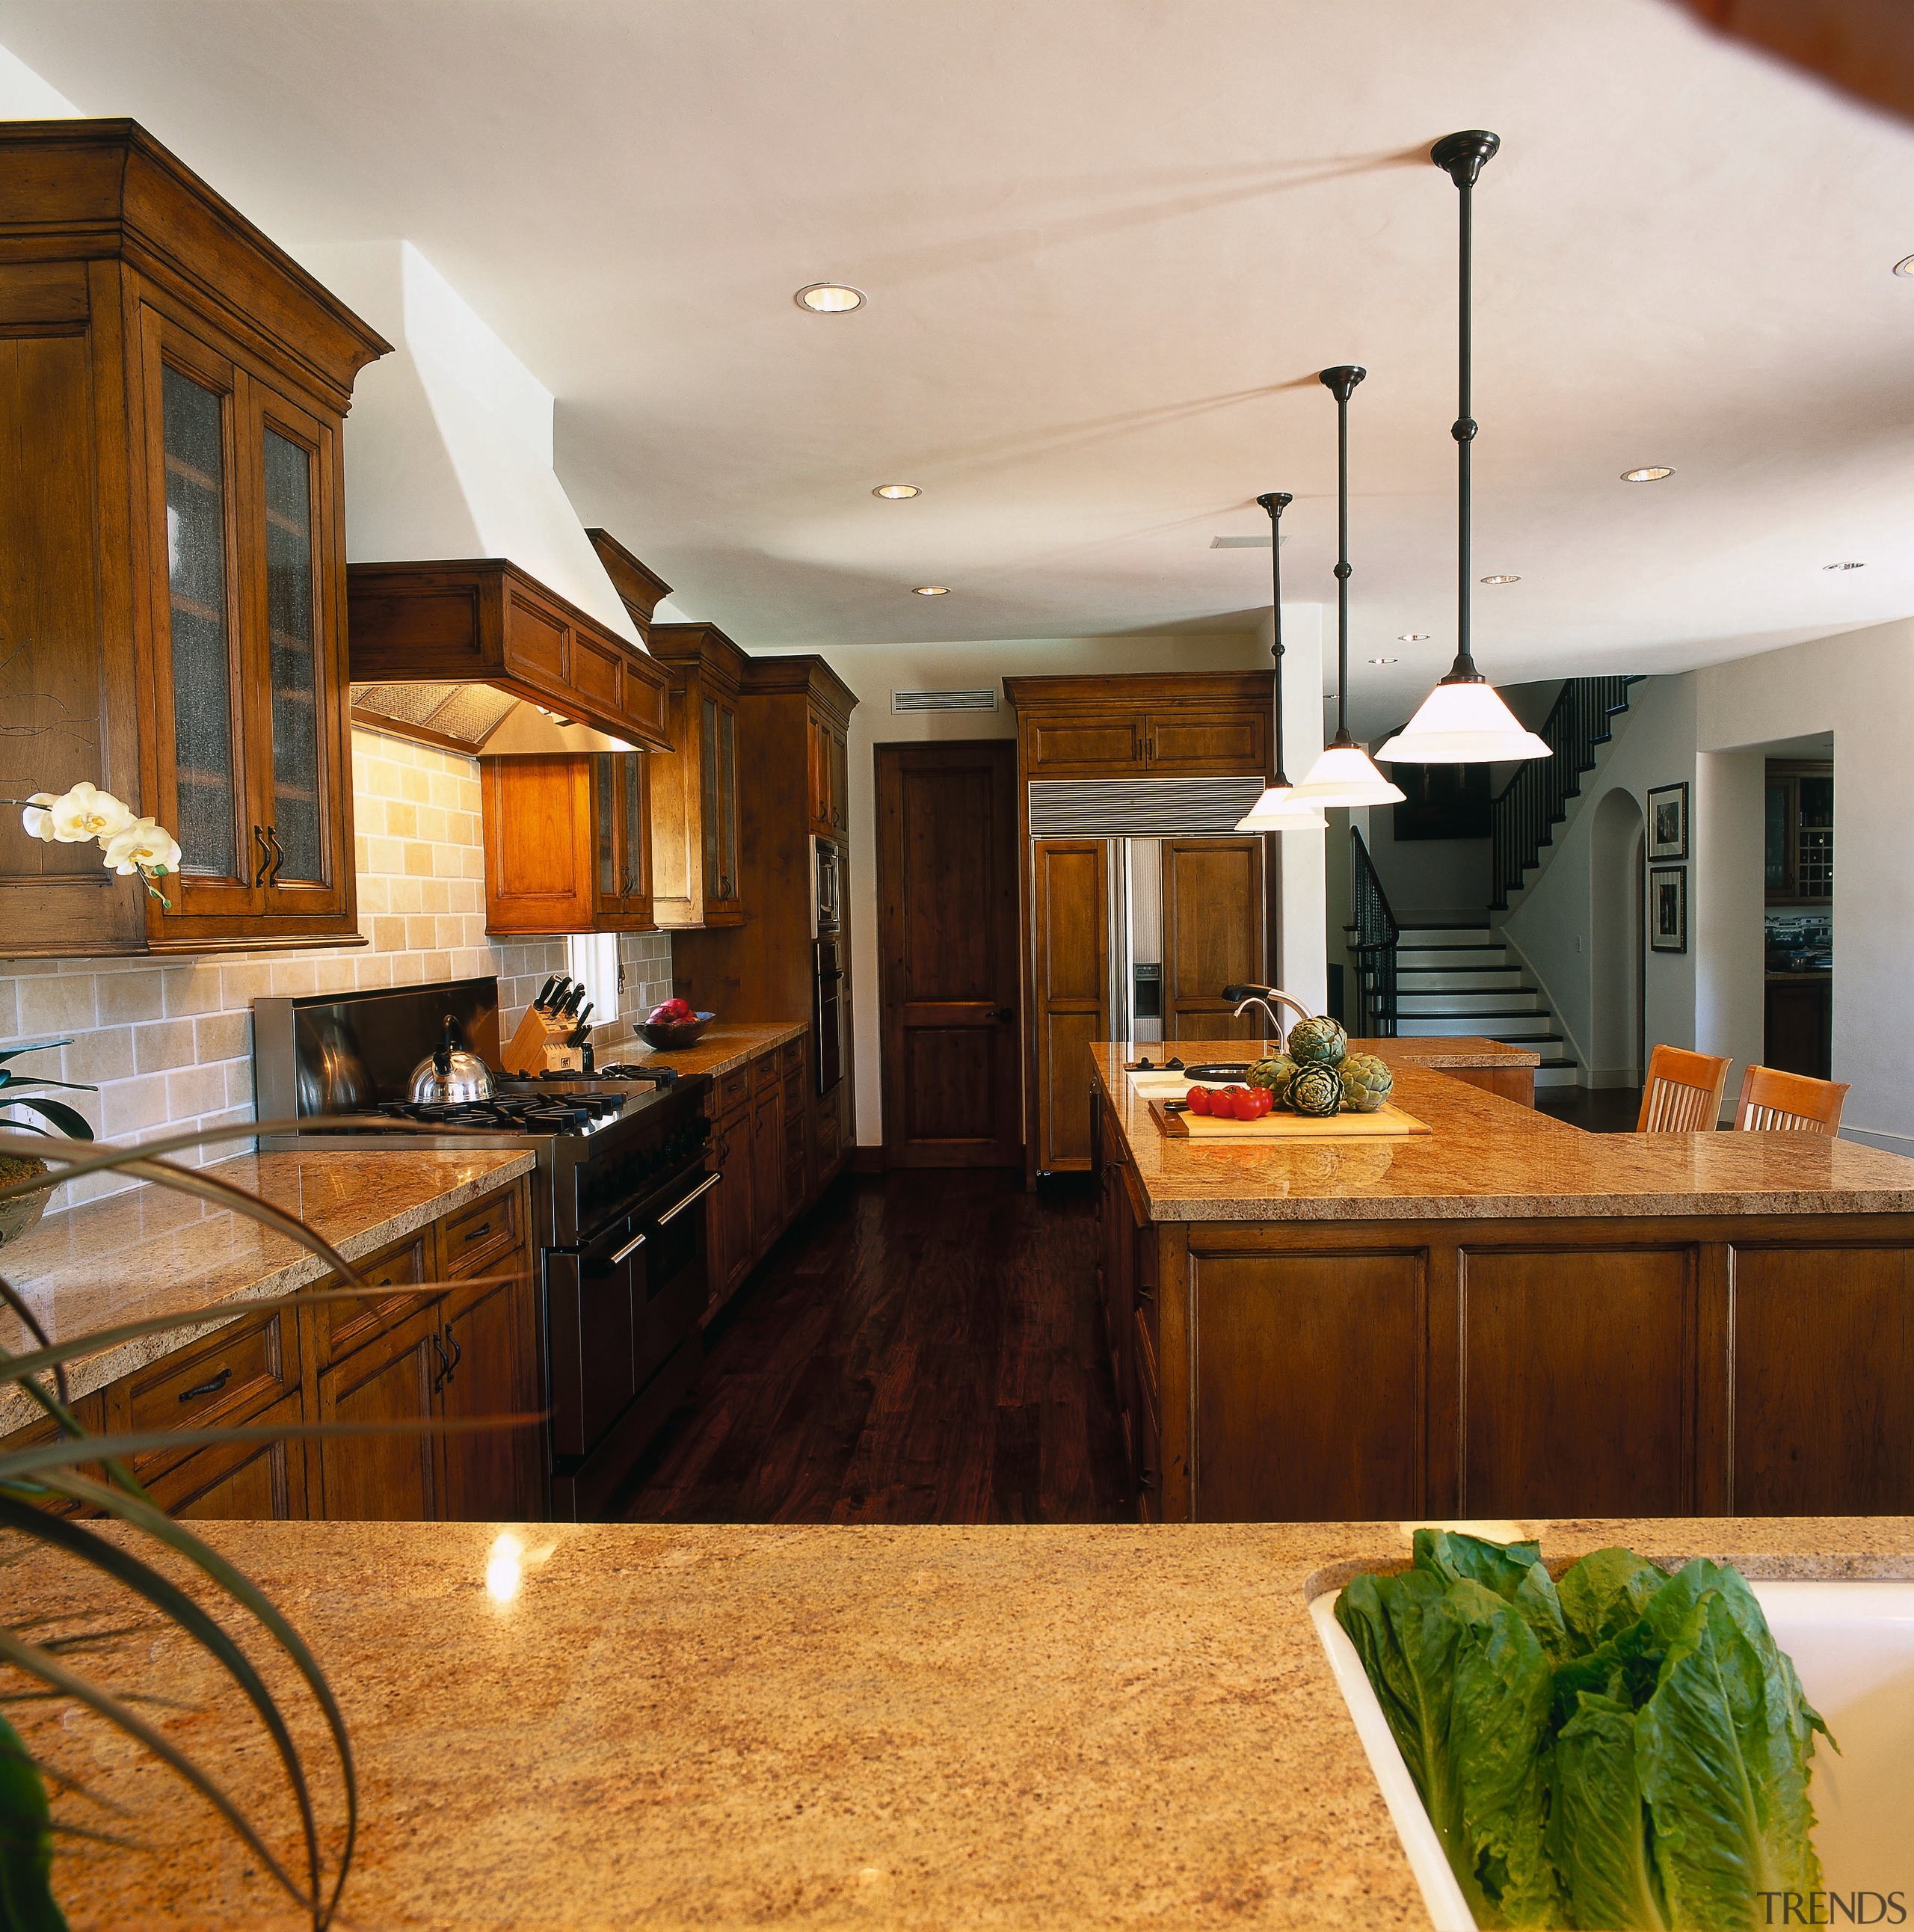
1263 996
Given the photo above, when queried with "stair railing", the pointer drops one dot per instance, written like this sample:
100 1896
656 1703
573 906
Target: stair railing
1525 814
1373 936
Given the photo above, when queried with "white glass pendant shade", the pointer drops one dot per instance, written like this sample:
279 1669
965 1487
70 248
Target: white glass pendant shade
1463 724
1278 810
1344 775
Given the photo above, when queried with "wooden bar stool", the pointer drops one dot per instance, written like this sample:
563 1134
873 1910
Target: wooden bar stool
1682 1094
1774 1102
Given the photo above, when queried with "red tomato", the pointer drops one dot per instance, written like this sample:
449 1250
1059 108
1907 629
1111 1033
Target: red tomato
1265 1100
1199 1098
1232 1098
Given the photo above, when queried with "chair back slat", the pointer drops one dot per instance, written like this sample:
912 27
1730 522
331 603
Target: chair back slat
1774 1102
1682 1094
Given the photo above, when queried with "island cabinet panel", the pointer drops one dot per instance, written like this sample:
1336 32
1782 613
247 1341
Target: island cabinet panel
1308 1387
1579 1382
383 1476
1823 1399
247 1482
489 1369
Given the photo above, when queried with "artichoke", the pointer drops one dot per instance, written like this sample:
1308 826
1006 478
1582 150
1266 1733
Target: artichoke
1316 1091
1367 1083
1320 1042
1276 1074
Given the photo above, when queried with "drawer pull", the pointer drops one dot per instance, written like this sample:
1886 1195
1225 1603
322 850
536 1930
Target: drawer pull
213 1388
704 1186
1144 1294
473 1233
630 1247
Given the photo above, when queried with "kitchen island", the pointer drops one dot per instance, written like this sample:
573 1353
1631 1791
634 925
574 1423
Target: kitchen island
1506 1317
1019 1726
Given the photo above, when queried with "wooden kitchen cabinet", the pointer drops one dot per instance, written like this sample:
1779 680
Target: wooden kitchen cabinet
393 1378
1178 724
793 722
172 399
695 853
490 1475
567 843
759 1114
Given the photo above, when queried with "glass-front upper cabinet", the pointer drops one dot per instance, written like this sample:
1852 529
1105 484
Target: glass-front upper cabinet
253 770
718 740
622 859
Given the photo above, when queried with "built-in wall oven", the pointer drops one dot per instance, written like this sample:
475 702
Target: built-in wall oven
827 1026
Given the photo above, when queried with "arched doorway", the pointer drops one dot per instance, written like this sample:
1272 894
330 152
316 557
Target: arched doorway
1615 942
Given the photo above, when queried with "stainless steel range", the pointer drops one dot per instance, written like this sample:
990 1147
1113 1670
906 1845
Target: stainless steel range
615 1199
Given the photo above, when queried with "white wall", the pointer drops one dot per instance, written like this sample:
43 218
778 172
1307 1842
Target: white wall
1860 686
1557 927
874 671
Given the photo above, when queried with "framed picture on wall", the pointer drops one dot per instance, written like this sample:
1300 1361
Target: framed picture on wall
1668 823
1668 908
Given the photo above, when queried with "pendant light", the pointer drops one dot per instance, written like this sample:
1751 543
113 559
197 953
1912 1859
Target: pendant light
1463 720
1343 775
1276 810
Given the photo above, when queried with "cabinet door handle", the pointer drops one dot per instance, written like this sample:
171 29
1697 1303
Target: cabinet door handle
704 1186
278 855
213 1388
458 1353
266 856
442 1373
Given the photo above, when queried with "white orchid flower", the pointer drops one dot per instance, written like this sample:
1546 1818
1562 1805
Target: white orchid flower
38 817
87 812
144 845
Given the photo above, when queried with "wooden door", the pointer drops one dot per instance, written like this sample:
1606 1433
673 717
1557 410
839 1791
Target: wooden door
817 774
383 1478
1070 895
947 940
840 763
719 800
1212 935
488 1476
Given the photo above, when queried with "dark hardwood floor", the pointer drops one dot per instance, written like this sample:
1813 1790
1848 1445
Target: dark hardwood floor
922 1348
1596 1110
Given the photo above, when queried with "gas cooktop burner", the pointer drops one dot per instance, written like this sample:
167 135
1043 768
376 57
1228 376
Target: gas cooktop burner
540 1113
625 1070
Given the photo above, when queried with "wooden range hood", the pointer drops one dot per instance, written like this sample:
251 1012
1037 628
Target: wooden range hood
444 652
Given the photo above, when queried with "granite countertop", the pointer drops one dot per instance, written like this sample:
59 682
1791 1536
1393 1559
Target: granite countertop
1491 1158
1419 1050
725 1047
152 1251
671 1727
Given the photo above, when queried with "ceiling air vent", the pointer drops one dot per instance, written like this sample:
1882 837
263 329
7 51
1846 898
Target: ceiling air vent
1138 808
944 700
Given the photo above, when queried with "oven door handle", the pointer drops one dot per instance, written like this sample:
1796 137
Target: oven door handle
630 1247
704 1186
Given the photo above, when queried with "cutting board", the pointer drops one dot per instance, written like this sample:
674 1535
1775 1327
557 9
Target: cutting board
1388 1122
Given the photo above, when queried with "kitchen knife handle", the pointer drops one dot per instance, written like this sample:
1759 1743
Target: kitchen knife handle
545 993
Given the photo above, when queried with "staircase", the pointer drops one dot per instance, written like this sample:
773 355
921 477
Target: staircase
1525 813
1452 980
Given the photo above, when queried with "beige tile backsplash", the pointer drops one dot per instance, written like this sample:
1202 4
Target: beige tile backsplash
169 1045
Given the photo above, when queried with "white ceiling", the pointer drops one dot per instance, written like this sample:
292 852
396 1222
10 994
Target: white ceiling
1107 243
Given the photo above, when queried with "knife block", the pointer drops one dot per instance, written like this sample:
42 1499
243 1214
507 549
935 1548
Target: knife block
539 1045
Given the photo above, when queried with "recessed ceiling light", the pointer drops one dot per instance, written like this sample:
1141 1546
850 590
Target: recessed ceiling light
829 297
1654 473
930 590
1411 637
1383 660
1502 577
895 493
1844 566
1905 266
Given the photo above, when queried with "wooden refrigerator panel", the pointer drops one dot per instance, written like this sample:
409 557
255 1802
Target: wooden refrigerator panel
1212 935
1070 893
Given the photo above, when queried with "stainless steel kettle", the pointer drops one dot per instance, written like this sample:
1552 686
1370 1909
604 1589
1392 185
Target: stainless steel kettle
451 1074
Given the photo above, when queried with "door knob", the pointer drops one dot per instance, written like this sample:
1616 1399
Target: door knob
1007 1014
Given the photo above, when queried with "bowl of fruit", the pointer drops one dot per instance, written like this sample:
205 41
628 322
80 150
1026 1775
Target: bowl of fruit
673 1024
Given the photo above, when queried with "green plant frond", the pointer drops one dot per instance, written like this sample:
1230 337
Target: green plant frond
13 1368
86 1832
106 1157
86 1546
141 1514
36 1046
74 1125
15 1083
50 1670
18 1754
60 1455
30 1322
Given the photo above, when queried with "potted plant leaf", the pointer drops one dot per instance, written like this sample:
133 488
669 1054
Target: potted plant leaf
18 1212
224 1617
